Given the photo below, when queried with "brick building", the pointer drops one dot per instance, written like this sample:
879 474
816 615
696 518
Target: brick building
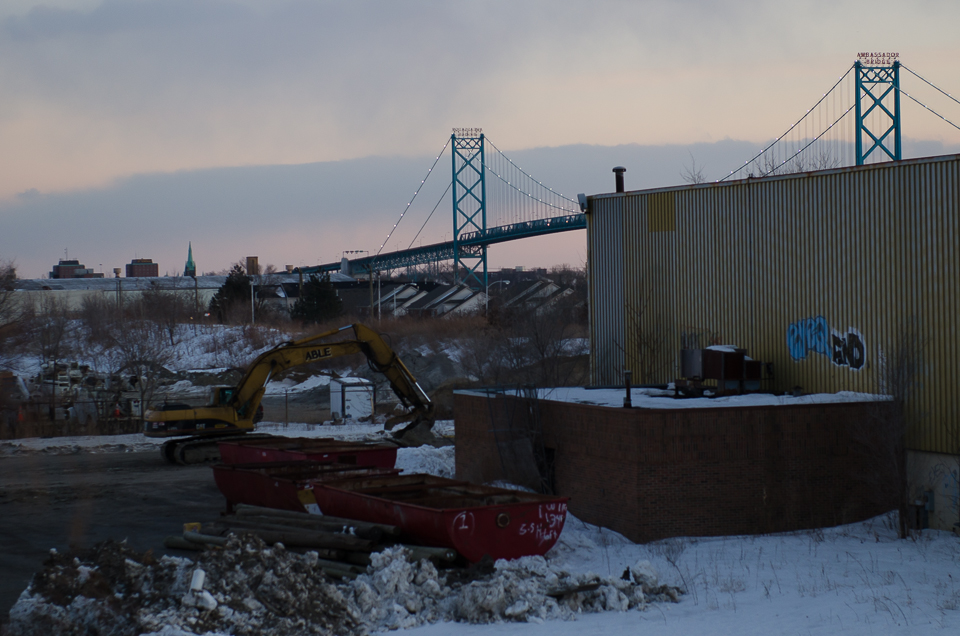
655 473
73 269
142 268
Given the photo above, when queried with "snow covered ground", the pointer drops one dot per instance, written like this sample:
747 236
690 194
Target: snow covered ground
664 399
855 579
350 430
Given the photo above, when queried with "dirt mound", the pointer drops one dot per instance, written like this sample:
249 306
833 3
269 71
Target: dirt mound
247 588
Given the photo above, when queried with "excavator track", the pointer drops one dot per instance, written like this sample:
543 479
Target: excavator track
201 449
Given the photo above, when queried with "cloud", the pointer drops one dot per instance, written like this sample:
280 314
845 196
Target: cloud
45 22
126 87
309 213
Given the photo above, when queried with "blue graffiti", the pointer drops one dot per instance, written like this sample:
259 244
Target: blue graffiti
808 334
814 335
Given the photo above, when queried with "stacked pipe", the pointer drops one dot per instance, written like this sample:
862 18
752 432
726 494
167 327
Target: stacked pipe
342 545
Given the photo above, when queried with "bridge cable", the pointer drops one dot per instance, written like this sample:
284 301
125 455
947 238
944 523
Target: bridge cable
812 141
924 105
904 66
930 109
523 192
406 209
487 139
746 163
449 185
530 196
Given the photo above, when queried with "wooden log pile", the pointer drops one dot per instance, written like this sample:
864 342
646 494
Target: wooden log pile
342 545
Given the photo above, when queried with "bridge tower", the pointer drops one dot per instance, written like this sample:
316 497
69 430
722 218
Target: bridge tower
469 205
878 80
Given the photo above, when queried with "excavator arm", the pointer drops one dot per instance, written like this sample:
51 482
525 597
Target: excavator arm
237 413
371 344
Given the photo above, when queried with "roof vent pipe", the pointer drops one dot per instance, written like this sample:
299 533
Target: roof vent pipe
619 170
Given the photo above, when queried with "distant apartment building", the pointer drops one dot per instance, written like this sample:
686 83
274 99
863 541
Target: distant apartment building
142 268
73 269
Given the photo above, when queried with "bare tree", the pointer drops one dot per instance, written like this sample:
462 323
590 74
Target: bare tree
693 173
652 347
553 333
51 328
168 308
13 312
882 437
530 345
139 352
483 358
807 161
98 316
50 335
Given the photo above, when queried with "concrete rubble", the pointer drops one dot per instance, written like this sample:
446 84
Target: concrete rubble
247 588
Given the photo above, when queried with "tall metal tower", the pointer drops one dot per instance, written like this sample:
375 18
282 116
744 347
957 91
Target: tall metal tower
469 205
878 79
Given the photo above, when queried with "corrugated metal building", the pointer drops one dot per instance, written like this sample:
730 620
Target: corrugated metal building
819 273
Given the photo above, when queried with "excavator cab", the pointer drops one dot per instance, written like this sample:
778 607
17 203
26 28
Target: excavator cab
222 395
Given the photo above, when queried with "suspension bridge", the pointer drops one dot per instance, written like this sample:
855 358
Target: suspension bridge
493 200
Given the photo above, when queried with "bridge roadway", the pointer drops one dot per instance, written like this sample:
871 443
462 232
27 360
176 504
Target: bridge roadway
470 244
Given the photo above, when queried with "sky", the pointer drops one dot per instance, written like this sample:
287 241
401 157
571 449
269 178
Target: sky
297 129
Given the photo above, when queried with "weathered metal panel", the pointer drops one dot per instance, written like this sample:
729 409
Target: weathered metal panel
605 263
822 274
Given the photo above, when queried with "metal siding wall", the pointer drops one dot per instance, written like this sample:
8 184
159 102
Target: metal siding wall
650 287
869 249
635 217
605 262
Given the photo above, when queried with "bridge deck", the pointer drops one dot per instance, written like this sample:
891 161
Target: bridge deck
467 243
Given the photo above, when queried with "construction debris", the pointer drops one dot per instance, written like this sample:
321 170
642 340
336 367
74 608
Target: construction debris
340 544
246 587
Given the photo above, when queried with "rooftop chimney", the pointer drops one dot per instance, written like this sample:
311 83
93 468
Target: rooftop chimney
619 170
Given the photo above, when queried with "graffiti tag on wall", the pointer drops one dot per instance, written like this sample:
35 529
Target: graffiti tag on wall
814 335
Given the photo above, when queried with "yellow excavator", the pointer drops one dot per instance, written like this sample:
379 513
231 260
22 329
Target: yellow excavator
236 410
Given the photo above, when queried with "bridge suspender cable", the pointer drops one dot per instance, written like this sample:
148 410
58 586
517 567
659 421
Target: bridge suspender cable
775 141
903 66
924 105
528 176
424 180
812 141
530 196
439 201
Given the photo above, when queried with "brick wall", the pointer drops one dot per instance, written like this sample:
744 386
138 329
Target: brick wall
651 474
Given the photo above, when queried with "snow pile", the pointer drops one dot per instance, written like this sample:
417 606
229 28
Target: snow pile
427 459
104 591
247 588
289 385
398 594
646 398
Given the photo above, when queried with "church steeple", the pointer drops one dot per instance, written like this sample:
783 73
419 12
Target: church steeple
191 268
